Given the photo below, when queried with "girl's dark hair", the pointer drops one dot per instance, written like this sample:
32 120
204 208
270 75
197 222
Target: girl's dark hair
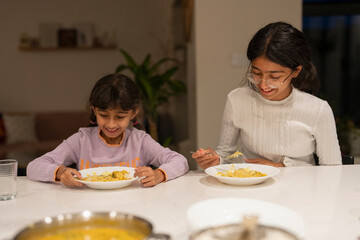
115 91
285 45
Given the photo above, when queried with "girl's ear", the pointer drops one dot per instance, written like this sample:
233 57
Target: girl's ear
92 116
297 71
135 113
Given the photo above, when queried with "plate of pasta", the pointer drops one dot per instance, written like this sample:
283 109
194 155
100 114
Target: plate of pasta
107 177
242 173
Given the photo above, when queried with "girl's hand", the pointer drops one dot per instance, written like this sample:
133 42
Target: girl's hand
66 177
206 158
264 162
152 177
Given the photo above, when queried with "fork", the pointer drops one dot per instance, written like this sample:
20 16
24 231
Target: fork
205 154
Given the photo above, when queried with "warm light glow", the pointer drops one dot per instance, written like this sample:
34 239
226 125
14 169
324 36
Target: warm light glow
86 214
48 220
113 214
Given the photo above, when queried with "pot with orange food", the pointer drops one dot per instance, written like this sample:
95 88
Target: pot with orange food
90 225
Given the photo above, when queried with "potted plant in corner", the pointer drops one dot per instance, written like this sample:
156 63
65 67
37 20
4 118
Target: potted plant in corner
354 138
348 135
156 87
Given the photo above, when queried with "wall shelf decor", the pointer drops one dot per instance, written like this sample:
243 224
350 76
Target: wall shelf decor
48 49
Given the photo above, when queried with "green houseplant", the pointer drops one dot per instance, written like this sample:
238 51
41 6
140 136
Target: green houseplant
348 135
155 86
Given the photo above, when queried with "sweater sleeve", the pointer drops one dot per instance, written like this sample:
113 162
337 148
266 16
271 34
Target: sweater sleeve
289 162
229 133
44 168
327 144
170 162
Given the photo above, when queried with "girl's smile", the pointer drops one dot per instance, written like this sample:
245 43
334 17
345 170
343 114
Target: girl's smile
268 91
113 123
112 131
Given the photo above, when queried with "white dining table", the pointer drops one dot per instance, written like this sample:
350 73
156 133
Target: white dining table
326 197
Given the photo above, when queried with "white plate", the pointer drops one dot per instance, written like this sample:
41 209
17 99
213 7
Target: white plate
107 185
268 170
221 211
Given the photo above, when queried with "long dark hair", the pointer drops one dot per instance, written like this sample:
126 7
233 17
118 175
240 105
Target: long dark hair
115 91
283 44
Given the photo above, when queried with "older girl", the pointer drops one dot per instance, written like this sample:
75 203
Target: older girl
278 121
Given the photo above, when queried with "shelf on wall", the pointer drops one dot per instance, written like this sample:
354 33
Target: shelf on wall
45 49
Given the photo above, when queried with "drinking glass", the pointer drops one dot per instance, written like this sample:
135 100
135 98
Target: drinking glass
8 174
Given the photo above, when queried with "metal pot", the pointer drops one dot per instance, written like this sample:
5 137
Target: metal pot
88 219
247 230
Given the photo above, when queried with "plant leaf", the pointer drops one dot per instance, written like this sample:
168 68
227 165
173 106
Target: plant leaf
161 61
177 86
167 141
121 68
169 73
146 62
130 61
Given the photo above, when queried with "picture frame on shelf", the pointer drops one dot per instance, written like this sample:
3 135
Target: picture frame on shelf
85 34
67 37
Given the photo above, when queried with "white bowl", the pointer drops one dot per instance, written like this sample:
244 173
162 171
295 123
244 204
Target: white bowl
268 170
107 185
222 211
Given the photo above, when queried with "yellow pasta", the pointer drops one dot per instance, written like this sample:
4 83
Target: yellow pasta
241 173
94 234
234 155
108 177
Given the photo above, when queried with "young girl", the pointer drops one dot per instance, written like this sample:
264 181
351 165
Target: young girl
114 103
278 121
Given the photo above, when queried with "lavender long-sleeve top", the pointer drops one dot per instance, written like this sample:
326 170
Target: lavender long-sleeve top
88 149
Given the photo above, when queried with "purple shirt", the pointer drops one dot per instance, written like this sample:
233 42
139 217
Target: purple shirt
88 149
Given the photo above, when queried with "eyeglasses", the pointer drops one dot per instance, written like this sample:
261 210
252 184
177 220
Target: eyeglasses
271 82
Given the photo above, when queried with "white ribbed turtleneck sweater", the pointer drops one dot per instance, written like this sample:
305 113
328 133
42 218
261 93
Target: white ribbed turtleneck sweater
287 131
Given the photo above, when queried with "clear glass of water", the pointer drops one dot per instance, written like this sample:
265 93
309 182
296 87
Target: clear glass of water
8 174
